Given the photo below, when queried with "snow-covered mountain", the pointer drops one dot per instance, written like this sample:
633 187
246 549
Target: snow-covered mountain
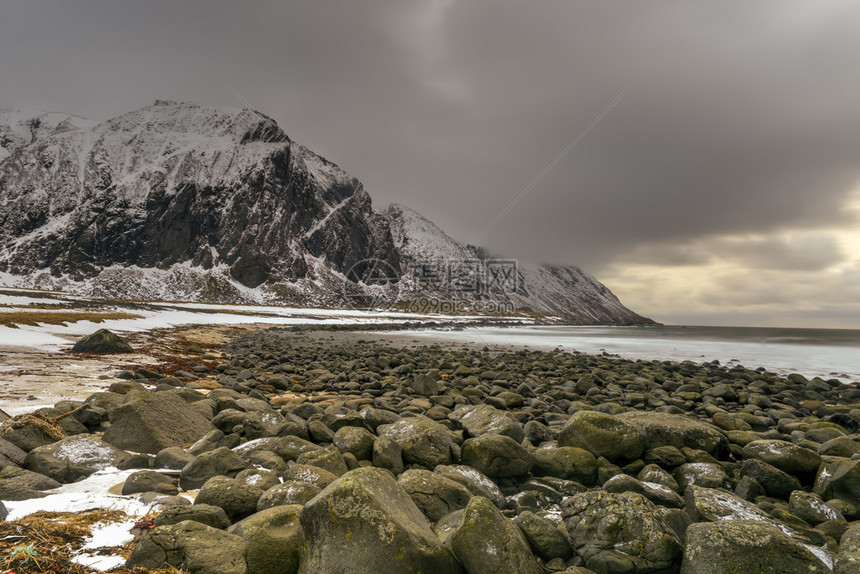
183 202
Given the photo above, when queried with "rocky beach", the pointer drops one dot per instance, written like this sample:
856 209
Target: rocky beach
298 449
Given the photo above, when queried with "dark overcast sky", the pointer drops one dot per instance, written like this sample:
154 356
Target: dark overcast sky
722 189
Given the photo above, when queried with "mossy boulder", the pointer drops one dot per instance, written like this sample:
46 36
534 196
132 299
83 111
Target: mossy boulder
497 456
609 436
741 546
619 532
102 342
422 441
364 522
192 547
486 541
274 540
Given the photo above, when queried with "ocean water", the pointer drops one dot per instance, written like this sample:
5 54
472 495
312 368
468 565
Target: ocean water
826 353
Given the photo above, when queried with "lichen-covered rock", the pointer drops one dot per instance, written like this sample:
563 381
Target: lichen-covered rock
356 440
387 454
219 462
289 492
786 456
619 532
433 494
543 536
838 478
486 541
496 456
774 481
102 342
848 559
310 474
364 522
20 484
734 547
611 437
273 538
192 547
207 514
73 458
149 481
422 441
154 421
656 493
568 462
477 483
238 499
328 458
483 419
678 431
808 506
707 474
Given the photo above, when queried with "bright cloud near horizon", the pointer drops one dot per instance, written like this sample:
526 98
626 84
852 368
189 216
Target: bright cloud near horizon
724 189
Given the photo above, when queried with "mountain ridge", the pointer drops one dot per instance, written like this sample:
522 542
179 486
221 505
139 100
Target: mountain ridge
186 202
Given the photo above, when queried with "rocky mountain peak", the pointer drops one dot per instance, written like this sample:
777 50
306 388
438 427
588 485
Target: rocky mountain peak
181 201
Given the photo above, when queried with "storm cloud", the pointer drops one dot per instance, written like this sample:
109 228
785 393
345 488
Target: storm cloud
734 155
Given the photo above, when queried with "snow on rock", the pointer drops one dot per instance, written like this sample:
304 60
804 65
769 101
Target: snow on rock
182 202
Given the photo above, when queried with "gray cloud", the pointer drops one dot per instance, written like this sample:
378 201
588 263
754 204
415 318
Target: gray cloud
744 119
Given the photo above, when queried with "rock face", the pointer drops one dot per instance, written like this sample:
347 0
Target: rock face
365 522
102 342
183 202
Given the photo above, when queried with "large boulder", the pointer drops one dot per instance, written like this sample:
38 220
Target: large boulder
809 507
786 456
609 436
422 441
677 430
477 483
149 481
73 458
543 536
747 546
238 499
486 541
273 539
774 481
364 522
567 462
619 532
848 560
102 342
289 492
838 478
656 493
496 456
482 419
355 440
154 421
26 432
192 547
20 484
433 494
207 514
10 454
219 462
